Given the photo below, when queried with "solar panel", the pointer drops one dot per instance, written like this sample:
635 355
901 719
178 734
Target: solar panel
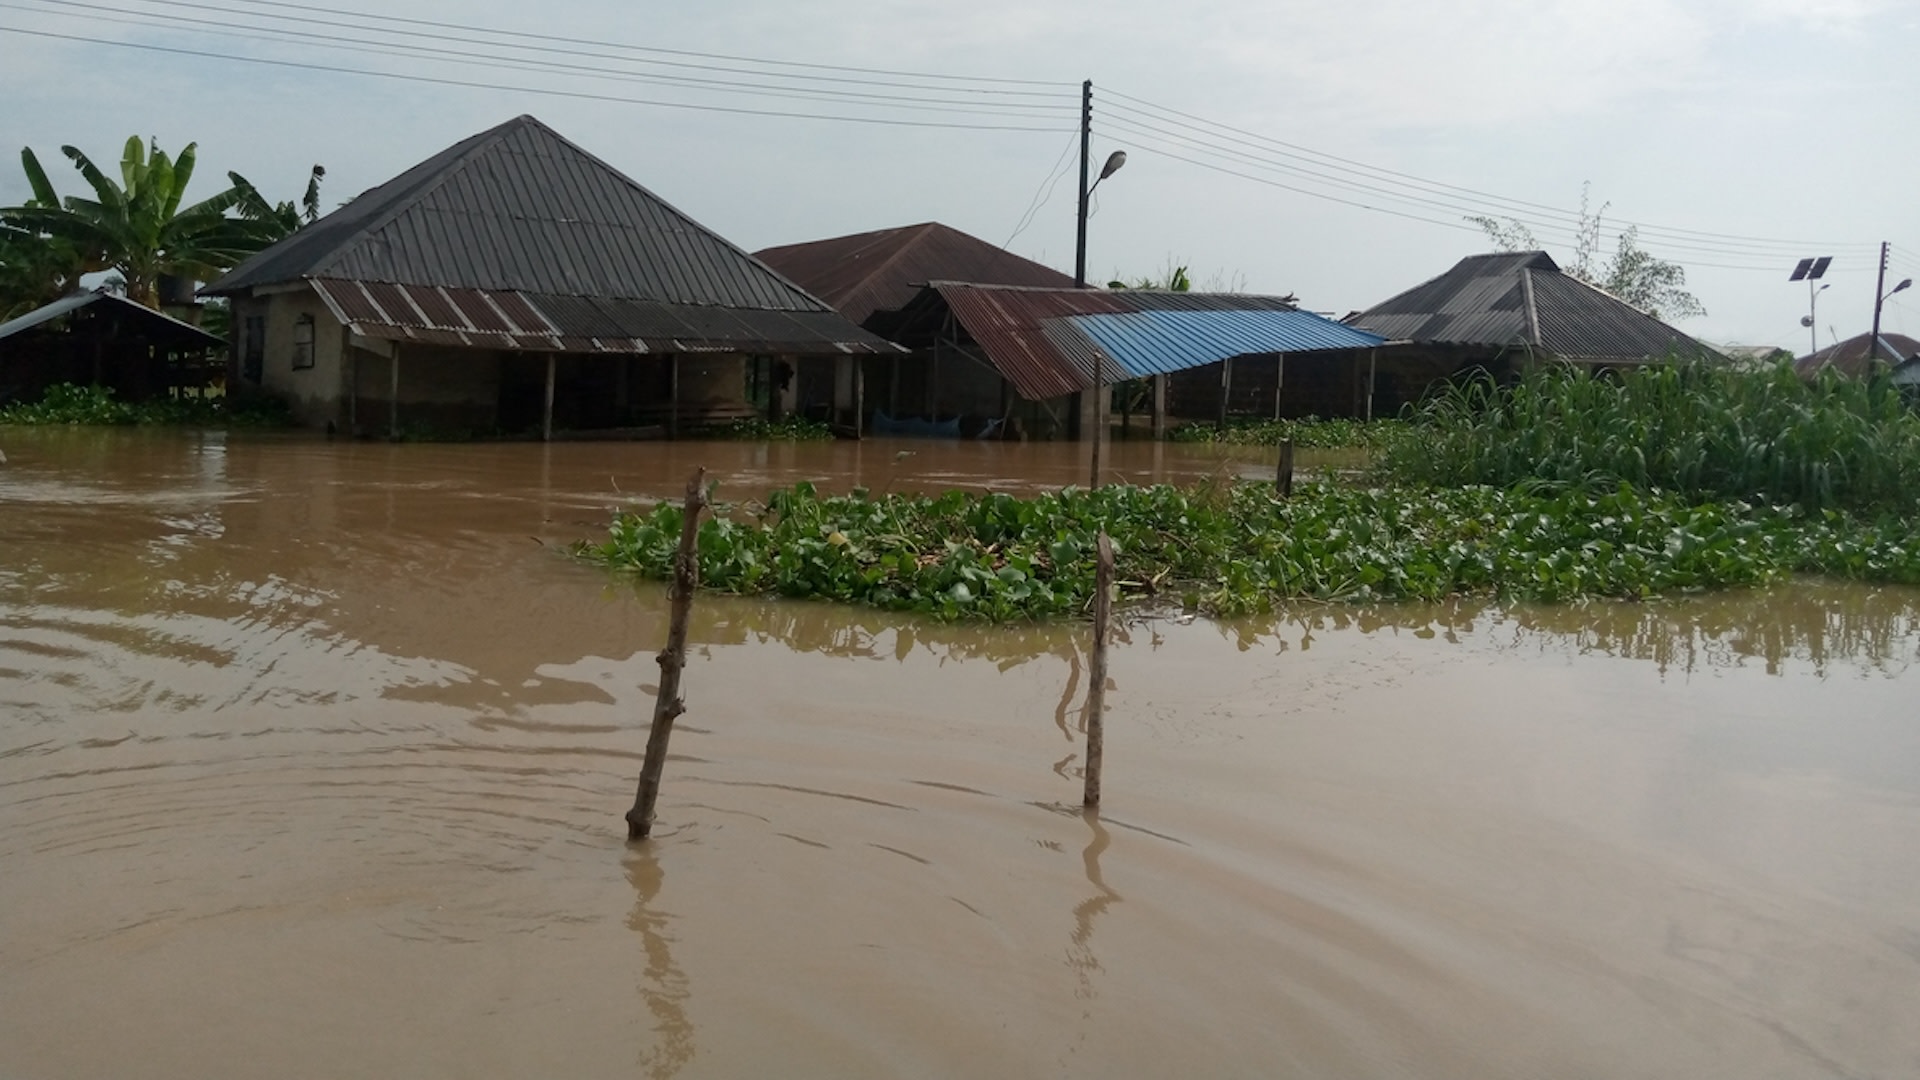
1819 267
1800 270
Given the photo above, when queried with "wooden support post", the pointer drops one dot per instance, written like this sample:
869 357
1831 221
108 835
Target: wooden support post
667 704
859 397
1126 410
673 396
353 393
393 396
1283 473
1373 361
1279 381
1097 669
1159 407
546 414
1226 391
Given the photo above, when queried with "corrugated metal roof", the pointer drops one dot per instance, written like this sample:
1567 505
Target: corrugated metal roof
1148 343
1045 341
152 323
1007 324
1850 357
884 270
518 208
1484 300
1580 322
549 322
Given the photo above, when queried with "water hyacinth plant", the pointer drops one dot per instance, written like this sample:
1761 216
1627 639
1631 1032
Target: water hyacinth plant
1239 550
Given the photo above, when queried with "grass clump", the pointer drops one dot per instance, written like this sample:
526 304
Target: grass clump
70 404
1307 433
1706 432
1227 551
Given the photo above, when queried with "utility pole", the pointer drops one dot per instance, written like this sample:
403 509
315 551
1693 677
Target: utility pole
1879 298
1080 269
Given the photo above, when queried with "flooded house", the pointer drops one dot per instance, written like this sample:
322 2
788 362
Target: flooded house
98 338
515 283
1002 345
870 277
1497 313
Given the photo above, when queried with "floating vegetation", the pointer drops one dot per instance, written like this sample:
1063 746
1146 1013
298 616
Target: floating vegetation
1707 432
68 404
1308 433
794 428
1239 550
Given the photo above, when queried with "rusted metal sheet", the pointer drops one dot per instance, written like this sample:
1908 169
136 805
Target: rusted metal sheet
1008 324
534 322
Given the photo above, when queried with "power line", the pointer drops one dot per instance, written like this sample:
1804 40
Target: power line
979 79
802 93
1645 229
548 92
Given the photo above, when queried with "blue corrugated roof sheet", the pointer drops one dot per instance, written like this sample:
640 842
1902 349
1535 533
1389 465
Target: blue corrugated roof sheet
1149 343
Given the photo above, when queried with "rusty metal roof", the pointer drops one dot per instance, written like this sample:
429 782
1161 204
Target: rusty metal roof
1009 324
1853 357
883 270
519 210
1046 341
548 322
1523 299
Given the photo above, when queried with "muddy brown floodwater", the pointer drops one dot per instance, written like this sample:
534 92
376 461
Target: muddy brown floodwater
313 758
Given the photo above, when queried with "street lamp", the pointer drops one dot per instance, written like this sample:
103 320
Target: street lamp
1810 271
1880 298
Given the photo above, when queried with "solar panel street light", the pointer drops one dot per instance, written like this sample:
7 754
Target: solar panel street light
1810 271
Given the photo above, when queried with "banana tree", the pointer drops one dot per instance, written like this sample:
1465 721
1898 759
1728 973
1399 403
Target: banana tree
136 225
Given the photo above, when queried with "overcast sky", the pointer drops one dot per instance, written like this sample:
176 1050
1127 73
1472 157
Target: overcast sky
1740 134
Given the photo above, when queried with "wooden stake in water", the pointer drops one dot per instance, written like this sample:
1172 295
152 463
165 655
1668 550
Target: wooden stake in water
667 704
1283 475
1097 669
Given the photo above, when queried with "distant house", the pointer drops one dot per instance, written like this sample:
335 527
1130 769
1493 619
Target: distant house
99 339
1002 343
1501 311
870 277
1854 358
515 282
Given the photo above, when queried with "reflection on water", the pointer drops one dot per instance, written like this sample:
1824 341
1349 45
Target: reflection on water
663 986
313 756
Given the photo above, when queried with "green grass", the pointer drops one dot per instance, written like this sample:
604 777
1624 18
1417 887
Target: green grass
1307 433
1238 550
1704 432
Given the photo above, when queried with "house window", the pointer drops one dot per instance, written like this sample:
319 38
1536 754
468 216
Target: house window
253 343
303 342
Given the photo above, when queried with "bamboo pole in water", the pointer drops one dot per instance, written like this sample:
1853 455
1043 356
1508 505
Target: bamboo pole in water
667 704
1097 669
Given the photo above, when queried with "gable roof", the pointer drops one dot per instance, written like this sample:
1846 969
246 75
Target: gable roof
883 270
1852 357
1522 298
120 318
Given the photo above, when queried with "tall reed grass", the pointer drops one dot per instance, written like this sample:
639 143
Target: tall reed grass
1697 430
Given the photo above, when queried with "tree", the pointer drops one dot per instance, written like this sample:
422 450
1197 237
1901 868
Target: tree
1653 285
136 226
